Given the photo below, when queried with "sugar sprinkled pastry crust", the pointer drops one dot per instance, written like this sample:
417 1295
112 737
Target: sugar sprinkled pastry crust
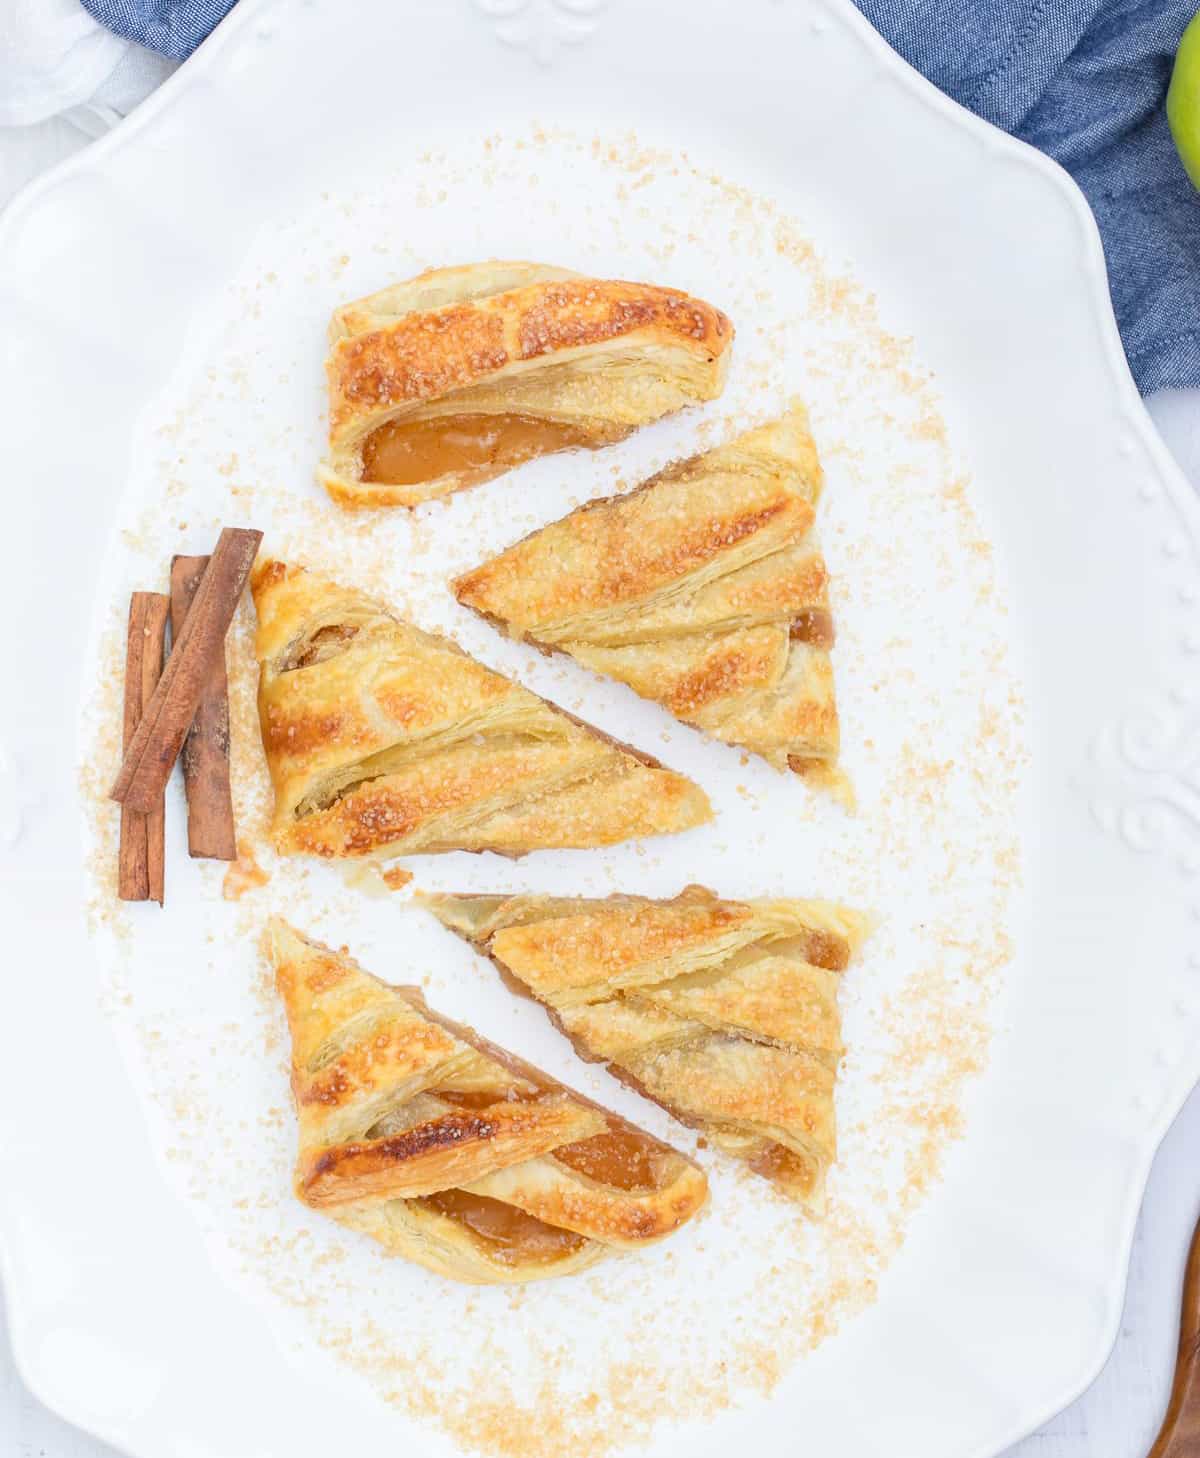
451 1151
724 1012
704 589
382 739
457 375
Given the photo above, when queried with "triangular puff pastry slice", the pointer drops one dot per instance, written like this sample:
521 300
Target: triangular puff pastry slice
723 1012
383 739
460 374
450 1151
703 589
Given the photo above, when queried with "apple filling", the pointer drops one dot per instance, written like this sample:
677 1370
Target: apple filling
409 452
511 1235
622 1158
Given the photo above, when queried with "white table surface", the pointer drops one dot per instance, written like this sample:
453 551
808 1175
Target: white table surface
1119 1416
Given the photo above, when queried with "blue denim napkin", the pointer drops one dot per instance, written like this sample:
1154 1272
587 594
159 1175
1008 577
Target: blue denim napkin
1084 80
173 28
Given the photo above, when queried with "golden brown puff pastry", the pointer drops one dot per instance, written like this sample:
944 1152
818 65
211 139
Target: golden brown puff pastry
450 1151
723 1012
460 374
382 739
703 589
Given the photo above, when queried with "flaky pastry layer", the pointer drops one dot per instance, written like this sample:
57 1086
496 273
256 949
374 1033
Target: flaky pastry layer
451 1151
383 739
601 357
703 589
724 1012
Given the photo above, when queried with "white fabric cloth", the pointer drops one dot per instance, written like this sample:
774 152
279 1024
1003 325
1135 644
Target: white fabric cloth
64 80
53 56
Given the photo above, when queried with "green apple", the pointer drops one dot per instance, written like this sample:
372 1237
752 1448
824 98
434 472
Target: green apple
1183 100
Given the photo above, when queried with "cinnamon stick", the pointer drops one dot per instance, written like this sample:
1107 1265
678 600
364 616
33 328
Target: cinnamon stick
140 858
205 753
154 748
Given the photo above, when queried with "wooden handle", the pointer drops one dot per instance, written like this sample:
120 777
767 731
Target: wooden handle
1180 1435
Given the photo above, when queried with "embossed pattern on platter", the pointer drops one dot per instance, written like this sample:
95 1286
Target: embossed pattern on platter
1149 759
541 27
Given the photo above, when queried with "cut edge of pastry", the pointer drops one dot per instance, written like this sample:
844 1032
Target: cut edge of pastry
444 1229
509 327
654 799
787 439
796 1168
